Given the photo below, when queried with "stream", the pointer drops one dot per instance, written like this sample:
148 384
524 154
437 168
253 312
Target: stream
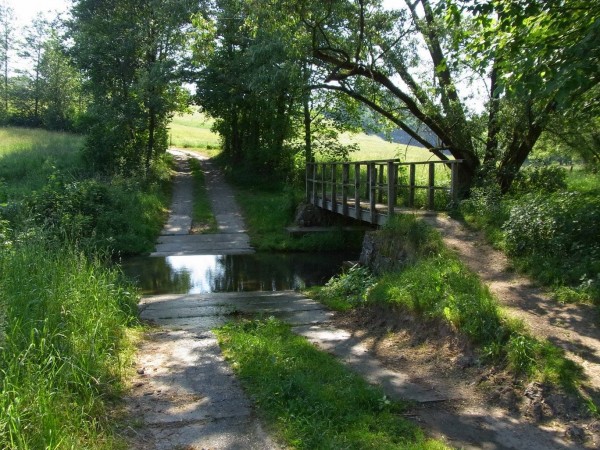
198 274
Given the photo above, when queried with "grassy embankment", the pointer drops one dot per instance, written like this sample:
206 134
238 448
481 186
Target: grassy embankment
66 334
436 286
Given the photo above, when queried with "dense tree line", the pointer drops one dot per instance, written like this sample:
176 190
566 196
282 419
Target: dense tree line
491 80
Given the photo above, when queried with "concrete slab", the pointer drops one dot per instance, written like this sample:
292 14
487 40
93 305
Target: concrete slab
187 397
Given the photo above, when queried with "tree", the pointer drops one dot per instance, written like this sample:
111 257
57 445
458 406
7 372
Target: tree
132 53
32 50
249 82
6 45
60 87
255 77
412 64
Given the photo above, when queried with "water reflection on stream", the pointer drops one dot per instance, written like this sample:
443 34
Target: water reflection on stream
195 274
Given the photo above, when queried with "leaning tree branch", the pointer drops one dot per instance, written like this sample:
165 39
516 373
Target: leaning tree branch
352 69
387 114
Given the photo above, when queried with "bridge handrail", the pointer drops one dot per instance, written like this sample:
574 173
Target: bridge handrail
329 187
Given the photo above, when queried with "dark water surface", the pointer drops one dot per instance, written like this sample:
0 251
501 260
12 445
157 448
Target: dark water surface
198 274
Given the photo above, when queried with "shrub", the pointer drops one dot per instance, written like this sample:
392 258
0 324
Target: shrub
347 289
556 236
546 179
117 215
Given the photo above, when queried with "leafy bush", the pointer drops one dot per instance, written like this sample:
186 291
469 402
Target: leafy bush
556 236
545 179
486 209
347 289
117 215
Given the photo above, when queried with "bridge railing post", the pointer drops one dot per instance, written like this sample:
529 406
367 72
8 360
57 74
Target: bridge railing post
334 201
357 191
431 187
345 181
307 174
373 191
391 187
411 185
323 185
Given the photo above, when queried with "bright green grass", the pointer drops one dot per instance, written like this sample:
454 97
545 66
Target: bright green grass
29 156
269 211
585 182
193 131
64 347
309 398
203 220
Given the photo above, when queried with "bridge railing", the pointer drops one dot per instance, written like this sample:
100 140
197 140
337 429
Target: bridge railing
374 190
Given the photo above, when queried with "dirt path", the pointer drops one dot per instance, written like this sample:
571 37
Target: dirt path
573 327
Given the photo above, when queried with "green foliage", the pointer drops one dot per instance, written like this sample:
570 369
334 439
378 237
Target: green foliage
134 87
542 179
62 346
485 209
98 213
310 399
557 238
348 289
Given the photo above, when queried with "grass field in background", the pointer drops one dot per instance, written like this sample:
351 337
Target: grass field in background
29 156
193 131
375 147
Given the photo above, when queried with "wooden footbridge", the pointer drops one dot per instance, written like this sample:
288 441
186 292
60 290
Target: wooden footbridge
373 191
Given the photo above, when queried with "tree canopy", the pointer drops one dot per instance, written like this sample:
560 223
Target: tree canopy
483 81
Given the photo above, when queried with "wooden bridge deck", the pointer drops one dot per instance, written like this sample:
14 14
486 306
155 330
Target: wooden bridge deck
373 191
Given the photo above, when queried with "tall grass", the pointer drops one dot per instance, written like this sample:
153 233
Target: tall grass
60 357
28 157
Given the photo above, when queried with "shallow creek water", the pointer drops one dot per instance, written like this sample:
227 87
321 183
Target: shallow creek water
197 274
